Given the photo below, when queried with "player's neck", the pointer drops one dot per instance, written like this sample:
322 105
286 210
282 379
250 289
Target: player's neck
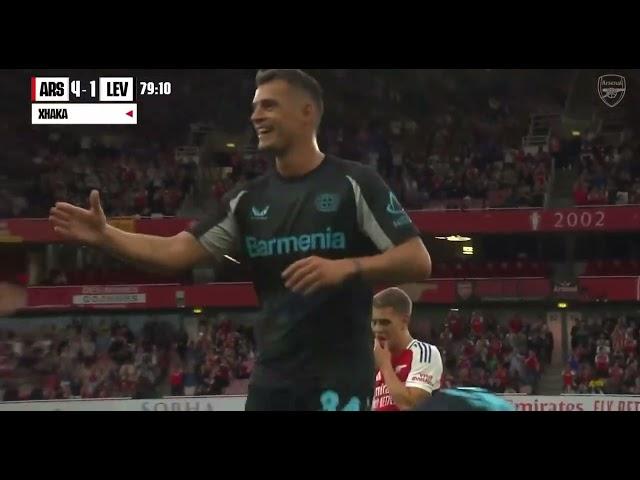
299 160
402 344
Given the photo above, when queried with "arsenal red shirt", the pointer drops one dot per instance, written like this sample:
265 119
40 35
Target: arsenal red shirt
418 366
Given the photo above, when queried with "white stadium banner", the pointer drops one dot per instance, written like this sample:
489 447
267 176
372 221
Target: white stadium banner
110 299
575 403
523 403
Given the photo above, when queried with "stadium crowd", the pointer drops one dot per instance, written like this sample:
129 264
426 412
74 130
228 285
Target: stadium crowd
607 174
479 351
604 356
110 361
129 185
465 152
455 154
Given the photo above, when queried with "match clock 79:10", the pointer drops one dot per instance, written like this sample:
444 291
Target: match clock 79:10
155 88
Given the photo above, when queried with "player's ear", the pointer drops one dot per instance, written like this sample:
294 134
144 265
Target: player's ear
308 112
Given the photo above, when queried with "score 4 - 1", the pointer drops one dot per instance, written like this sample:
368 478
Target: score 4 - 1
77 90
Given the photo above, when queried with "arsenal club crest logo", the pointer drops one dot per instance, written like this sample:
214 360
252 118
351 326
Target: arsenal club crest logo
611 89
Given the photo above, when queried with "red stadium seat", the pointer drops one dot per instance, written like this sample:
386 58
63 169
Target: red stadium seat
490 269
611 268
504 269
445 270
459 270
91 277
545 269
521 269
626 267
617 267
598 268
74 277
476 270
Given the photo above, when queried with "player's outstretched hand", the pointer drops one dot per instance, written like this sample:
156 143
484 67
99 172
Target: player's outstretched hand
12 298
75 223
308 275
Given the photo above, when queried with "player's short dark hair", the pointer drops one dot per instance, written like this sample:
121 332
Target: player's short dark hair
296 78
394 298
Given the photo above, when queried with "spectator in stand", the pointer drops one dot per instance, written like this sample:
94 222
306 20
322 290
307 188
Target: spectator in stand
496 346
190 383
585 374
516 364
454 321
515 324
618 335
535 341
477 324
569 379
597 196
596 386
446 338
580 192
579 334
616 375
177 381
630 343
630 373
603 344
532 365
222 376
501 378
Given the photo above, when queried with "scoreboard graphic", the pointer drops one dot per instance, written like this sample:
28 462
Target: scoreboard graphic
103 101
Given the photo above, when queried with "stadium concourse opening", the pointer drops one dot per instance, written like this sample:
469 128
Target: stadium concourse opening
524 186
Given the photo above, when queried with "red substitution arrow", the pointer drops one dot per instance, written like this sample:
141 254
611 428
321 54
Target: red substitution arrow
130 113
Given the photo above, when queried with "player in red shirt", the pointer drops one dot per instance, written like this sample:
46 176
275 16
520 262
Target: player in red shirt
408 370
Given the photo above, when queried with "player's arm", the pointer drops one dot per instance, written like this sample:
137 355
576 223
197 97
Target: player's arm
154 253
13 298
404 257
408 262
404 397
209 240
